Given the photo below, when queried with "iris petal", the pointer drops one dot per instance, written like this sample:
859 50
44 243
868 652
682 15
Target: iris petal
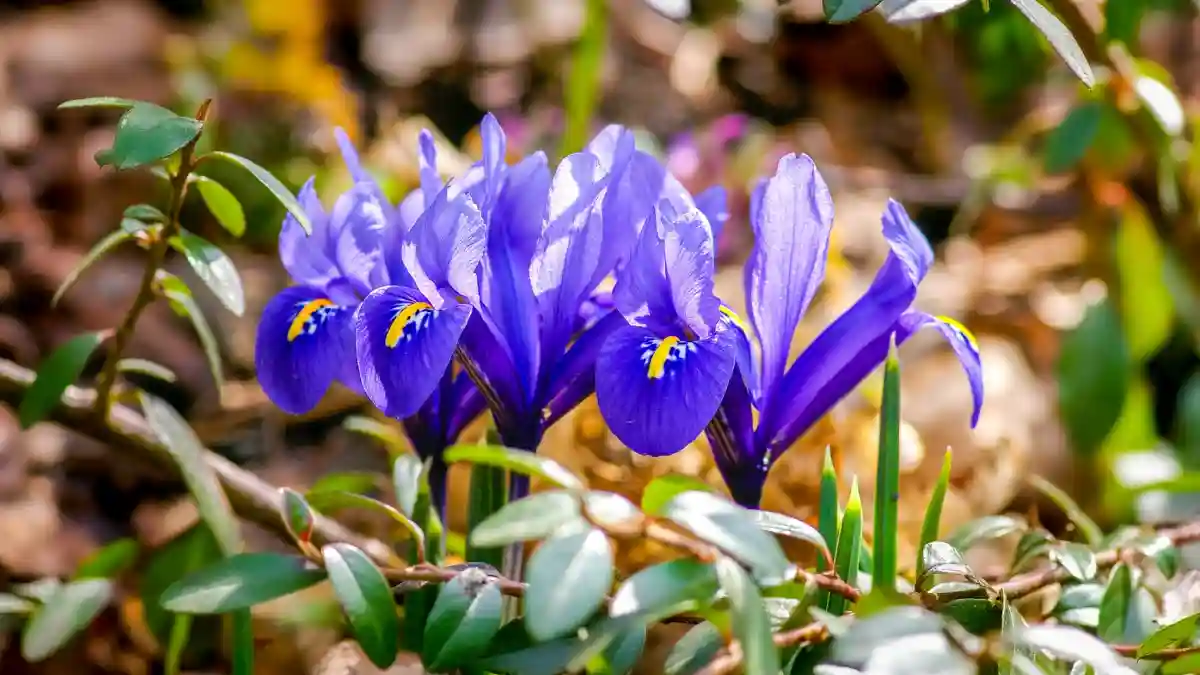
404 346
304 343
307 258
961 341
792 220
713 203
690 259
358 224
642 293
445 247
431 182
574 375
658 395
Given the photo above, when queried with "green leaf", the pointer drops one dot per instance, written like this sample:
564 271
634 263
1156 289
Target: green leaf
827 516
569 576
367 600
243 643
732 529
66 612
214 268
463 621
663 586
1060 38
904 11
223 205
1069 644
1077 559
12 604
1069 141
391 438
931 525
842 11
984 529
1185 665
240 581
1122 21
360 482
1114 607
108 243
297 515
56 373
849 547
978 615
664 488
180 441
547 658
1170 635
1091 532
534 517
406 481
886 631
696 649
583 86
518 461
887 478
777 523
333 500
751 625
1033 545
1147 306
98 102
181 300
622 654
145 367
109 561
194 549
147 133
277 189
938 557
145 213
489 493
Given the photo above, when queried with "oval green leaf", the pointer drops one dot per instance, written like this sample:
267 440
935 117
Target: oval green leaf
732 529
145 213
1060 38
1170 635
751 625
56 373
520 461
1114 606
108 243
240 581
569 576
406 481
696 649
794 528
367 600
147 133
223 205
276 188
180 441
984 529
842 11
297 515
1069 141
67 611
180 297
463 621
1077 559
110 560
534 517
214 268
664 488
664 586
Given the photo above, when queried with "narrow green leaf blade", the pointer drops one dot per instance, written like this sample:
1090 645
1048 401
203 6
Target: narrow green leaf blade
214 268
569 576
489 494
367 600
849 547
56 373
98 102
185 305
519 461
1114 606
145 367
751 625
827 515
887 478
66 612
178 438
1060 38
583 87
277 189
223 205
243 643
108 243
931 525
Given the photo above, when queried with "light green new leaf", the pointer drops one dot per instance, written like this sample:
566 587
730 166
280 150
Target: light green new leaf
98 102
664 488
930 526
277 189
180 297
110 560
827 515
223 205
519 461
108 243
56 373
66 612
849 547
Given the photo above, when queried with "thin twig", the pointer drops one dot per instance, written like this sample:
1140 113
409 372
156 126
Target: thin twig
145 295
1160 655
731 658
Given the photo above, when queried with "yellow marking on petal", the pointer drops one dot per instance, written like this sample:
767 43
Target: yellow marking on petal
962 329
396 330
737 320
658 360
302 318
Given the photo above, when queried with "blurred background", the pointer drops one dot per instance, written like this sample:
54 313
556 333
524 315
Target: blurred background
1064 219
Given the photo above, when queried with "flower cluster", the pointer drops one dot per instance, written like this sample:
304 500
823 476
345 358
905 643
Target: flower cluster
485 292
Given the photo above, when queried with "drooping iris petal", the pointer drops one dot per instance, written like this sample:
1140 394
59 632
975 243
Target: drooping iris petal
304 343
961 341
569 249
713 204
690 261
656 394
642 293
850 347
445 247
791 225
404 345
308 257
506 291
358 224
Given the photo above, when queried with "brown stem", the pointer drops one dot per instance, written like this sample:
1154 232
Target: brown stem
731 658
145 295
1160 655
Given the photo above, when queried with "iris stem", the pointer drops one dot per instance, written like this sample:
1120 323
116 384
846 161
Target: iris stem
146 293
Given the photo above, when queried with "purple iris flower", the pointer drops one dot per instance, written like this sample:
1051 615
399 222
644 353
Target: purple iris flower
355 255
669 374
